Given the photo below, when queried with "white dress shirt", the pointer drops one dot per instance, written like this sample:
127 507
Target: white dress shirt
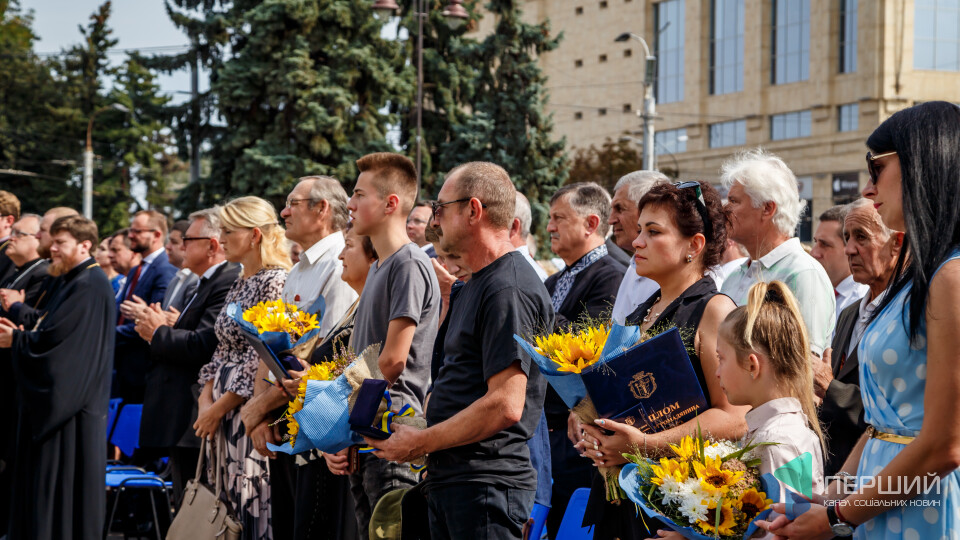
318 273
634 290
849 291
803 275
525 251
867 308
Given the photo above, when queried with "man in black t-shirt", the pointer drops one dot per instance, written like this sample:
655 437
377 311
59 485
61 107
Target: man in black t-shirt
488 395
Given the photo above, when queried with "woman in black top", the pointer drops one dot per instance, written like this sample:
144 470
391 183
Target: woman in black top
682 234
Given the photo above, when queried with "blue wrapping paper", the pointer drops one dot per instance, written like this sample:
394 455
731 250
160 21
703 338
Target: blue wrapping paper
630 483
323 420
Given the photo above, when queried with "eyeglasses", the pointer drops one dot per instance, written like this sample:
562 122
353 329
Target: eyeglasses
436 206
141 231
872 167
19 234
701 206
293 202
186 239
417 221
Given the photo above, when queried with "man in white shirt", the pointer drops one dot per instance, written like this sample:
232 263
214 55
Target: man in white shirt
520 232
828 250
764 208
315 216
417 221
634 289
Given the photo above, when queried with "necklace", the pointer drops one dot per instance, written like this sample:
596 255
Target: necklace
648 317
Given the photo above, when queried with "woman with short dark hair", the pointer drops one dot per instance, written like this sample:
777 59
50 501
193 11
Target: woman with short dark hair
682 234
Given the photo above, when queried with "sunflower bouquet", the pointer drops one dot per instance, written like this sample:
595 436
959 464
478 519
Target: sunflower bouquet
612 371
703 489
279 316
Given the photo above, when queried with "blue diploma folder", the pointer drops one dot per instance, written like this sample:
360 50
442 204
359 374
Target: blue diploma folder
365 409
651 386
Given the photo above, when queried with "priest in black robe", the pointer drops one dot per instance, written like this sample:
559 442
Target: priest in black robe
62 369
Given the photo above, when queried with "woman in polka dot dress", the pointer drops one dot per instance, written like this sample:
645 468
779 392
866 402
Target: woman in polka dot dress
906 464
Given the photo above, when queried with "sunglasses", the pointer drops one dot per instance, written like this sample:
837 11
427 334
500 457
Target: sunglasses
701 205
436 206
872 166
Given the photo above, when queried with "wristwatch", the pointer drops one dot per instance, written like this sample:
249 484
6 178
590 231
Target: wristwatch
838 526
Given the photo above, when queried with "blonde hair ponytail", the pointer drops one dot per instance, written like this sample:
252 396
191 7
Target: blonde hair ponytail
255 213
771 324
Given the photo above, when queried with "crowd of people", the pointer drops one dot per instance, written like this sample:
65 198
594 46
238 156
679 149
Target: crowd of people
837 351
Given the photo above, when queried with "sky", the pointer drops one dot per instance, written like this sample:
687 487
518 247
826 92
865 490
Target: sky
135 23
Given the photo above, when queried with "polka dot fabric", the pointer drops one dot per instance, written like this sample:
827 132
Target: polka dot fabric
893 374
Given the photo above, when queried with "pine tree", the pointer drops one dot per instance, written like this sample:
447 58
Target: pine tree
302 87
508 124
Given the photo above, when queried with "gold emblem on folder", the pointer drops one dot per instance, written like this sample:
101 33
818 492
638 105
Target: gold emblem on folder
643 385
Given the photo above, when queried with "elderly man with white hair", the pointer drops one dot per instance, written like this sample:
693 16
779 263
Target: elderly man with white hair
764 208
624 214
520 233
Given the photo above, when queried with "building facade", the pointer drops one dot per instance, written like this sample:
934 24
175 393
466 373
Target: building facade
806 79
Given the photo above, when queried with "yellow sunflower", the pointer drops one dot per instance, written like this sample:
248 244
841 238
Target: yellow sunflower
274 322
714 478
687 449
752 502
574 352
670 468
727 523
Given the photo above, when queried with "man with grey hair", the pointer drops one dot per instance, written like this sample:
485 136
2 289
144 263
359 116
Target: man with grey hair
180 349
828 250
520 232
624 215
764 207
587 286
315 216
872 251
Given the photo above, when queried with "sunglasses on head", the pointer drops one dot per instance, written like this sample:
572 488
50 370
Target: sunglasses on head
701 205
872 166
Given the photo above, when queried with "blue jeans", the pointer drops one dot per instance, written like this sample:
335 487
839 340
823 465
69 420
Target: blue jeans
481 511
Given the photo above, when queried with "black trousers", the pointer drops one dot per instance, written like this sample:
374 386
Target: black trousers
183 465
474 510
308 502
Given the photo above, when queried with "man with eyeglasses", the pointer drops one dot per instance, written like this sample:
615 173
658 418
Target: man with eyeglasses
180 349
417 227
9 213
14 301
488 396
764 207
147 282
30 270
314 217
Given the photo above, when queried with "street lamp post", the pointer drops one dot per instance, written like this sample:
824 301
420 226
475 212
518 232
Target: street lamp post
88 160
455 15
649 111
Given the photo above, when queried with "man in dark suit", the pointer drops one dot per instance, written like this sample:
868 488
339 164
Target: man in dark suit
178 351
587 286
9 214
148 282
29 269
872 251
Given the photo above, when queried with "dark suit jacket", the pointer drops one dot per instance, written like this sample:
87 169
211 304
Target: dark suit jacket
31 278
176 355
593 293
841 413
7 267
618 254
132 352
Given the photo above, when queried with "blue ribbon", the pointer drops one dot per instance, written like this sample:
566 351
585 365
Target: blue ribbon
386 419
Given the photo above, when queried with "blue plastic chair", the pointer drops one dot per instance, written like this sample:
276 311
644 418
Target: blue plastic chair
121 479
126 430
112 409
539 516
570 526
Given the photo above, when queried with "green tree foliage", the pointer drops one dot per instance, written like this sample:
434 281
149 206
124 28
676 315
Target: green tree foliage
44 113
605 164
507 122
301 86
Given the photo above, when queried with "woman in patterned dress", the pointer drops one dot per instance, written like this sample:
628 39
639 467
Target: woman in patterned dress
250 235
908 481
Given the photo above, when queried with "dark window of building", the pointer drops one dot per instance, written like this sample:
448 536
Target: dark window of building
578 11
603 58
726 46
668 48
578 63
846 187
848 36
578 116
790 60
627 108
